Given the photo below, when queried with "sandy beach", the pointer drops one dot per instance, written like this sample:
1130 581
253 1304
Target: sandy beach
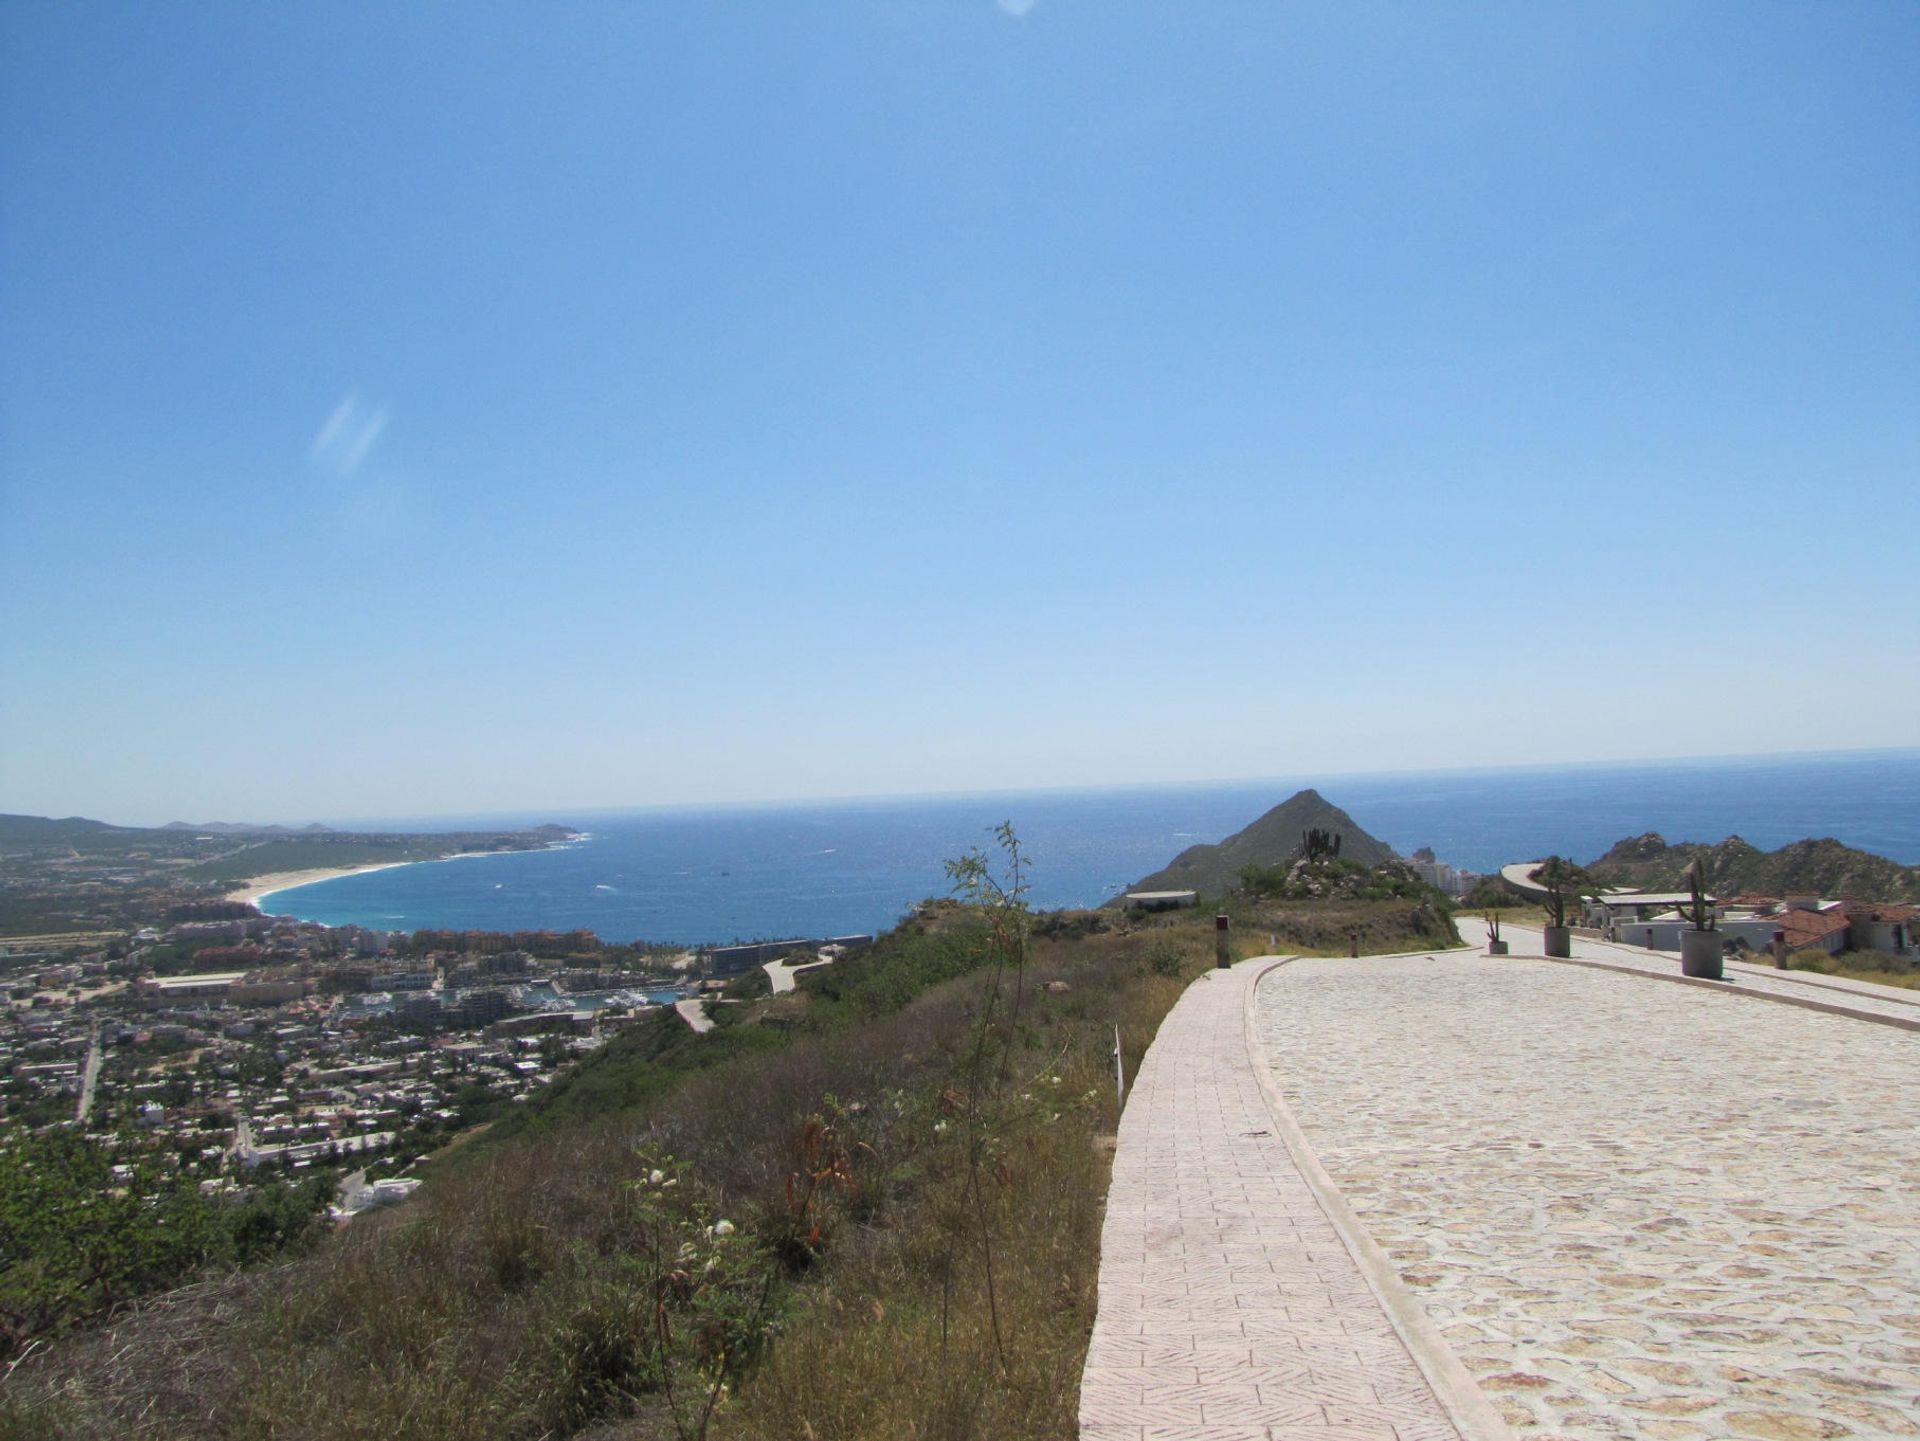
260 887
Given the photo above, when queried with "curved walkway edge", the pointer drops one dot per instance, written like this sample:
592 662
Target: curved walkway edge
1240 1299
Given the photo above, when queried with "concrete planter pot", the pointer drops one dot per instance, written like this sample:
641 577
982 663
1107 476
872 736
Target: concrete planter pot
1496 948
1701 955
1560 941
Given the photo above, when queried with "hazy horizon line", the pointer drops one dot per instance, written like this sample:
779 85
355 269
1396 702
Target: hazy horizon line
1308 778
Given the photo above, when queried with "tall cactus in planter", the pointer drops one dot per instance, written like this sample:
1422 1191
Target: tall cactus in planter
1700 950
1563 881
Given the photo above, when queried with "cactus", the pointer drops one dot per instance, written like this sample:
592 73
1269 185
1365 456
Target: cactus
1563 881
1699 911
1317 844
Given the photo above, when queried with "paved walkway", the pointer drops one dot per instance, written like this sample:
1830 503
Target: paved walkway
1239 1301
780 974
1633 1209
1889 1002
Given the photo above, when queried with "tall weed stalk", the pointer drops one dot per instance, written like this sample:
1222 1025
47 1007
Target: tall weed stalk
1001 897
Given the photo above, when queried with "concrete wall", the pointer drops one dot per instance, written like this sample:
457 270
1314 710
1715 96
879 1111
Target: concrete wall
1666 934
1894 937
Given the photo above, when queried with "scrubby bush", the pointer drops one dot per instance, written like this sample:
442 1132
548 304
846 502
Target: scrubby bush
77 1240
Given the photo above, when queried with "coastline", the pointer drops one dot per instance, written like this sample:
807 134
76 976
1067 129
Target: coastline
258 888
690 877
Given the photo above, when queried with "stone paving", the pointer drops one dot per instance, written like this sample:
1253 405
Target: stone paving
1864 996
1633 1209
1231 1308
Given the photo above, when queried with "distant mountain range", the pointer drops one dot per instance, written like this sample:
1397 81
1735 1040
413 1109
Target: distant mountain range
244 828
46 828
1275 839
1733 867
78 830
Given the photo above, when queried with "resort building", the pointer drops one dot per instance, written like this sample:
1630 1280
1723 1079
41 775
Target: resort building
1159 900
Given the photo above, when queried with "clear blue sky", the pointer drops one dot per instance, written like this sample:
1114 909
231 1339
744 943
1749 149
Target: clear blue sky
430 407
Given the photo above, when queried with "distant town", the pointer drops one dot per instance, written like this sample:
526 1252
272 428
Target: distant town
192 1035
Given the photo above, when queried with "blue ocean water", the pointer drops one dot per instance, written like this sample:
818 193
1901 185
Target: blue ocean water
834 868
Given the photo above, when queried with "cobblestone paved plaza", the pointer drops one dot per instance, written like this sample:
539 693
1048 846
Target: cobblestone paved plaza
1634 1209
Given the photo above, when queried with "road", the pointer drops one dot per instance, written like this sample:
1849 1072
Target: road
780 974
89 1076
694 1012
242 1146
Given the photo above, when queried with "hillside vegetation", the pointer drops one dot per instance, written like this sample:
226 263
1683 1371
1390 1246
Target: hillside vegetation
866 1209
1733 867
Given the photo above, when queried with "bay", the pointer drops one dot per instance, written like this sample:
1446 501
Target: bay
693 875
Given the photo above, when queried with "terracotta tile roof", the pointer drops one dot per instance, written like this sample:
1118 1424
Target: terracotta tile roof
1803 928
1882 911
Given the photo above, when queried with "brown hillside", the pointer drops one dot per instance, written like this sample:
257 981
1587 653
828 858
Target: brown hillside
1733 867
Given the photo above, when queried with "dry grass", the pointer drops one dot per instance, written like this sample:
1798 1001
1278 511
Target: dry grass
1515 914
49 939
899 1338
1875 966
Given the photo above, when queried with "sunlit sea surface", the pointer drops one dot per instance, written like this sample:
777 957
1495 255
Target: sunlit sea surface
836 868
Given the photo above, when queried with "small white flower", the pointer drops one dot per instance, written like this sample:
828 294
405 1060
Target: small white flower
654 1178
723 1228
939 1126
